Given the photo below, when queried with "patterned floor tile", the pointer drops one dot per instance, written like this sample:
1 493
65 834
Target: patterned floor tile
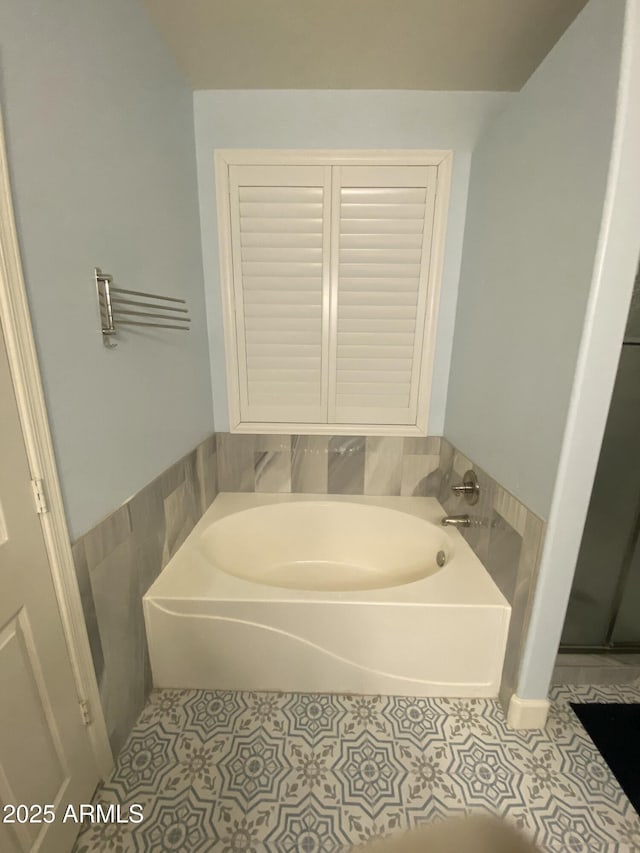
437 807
628 830
490 775
417 720
241 833
168 707
113 837
572 828
371 773
429 776
364 713
254 769
311 826
181 822
362 829
313 716
208 712
545 778
247 772
312 767
150 751
198 766
582 762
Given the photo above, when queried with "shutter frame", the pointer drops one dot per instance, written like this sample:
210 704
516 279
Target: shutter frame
224 159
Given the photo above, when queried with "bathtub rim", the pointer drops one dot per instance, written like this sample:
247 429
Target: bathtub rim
189 578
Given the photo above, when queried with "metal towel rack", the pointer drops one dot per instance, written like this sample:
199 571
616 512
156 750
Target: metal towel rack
115 311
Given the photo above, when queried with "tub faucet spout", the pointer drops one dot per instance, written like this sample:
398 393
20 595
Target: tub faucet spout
456 521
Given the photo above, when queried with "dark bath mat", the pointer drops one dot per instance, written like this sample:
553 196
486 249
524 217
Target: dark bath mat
615 730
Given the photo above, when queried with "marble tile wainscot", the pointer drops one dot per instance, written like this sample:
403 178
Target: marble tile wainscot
330 464
508 540
118 560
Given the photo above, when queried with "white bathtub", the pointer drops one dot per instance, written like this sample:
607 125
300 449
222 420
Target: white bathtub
326 593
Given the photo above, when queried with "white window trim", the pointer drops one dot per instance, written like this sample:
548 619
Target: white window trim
224 158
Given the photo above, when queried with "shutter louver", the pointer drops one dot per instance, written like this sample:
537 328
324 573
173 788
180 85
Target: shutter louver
280 235
381 245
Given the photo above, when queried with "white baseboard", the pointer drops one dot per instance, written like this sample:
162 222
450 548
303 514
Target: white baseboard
527 713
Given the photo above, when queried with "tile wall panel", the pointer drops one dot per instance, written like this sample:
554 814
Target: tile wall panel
118 560
507 538
336 464
309 464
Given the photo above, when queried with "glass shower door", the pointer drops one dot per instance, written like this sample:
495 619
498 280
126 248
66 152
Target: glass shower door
604 607
626 628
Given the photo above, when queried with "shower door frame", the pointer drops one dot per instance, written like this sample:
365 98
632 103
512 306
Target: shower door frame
609 645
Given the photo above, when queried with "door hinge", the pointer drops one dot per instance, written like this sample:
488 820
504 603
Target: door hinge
39 496
85 712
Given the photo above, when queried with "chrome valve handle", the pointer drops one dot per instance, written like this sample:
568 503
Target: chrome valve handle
469 488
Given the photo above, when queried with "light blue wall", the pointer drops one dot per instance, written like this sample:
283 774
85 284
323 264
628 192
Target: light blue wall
99 128
339 119
612 283
538 181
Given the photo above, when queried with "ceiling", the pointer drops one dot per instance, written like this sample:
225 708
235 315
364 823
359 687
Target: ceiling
479 45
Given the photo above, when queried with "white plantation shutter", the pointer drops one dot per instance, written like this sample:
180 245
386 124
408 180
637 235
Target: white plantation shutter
280 254
331 275
382 220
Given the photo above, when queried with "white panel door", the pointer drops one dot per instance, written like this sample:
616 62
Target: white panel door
45 752
382 222
280 236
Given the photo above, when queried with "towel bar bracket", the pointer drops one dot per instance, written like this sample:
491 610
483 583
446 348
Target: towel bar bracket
112 315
